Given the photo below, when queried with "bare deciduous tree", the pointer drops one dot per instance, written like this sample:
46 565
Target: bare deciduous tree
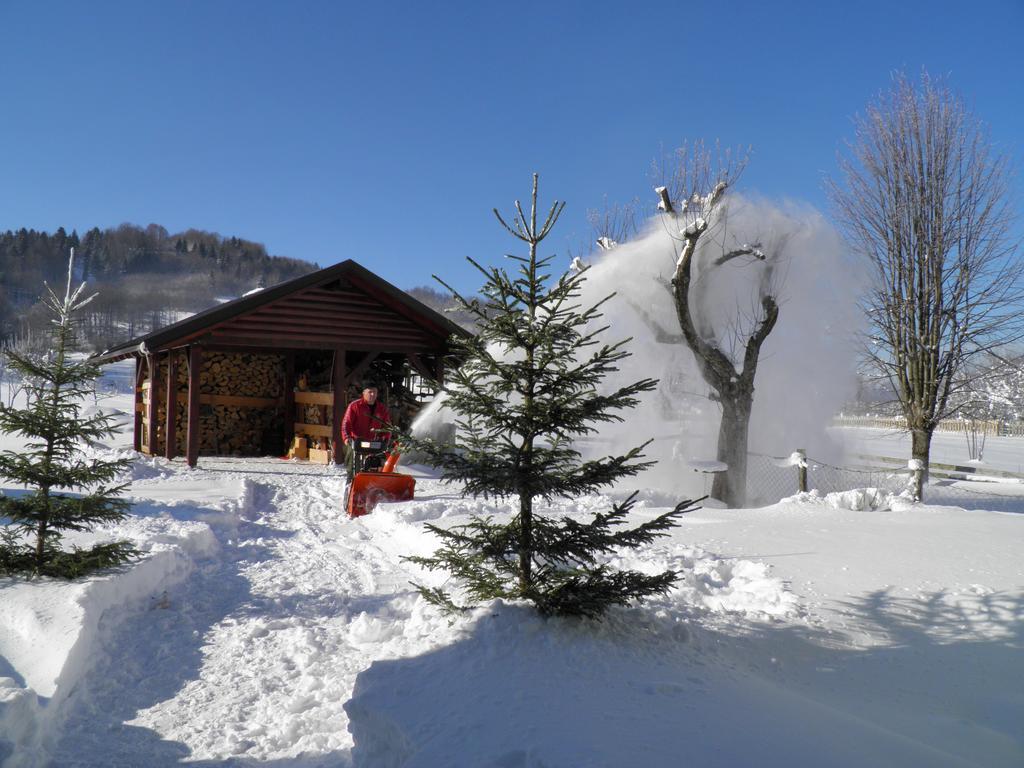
614 223
693 198
989 392
922 195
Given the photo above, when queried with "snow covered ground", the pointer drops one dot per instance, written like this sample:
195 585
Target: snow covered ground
264 628
1002 453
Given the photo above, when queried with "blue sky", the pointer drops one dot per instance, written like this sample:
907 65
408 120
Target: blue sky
385 133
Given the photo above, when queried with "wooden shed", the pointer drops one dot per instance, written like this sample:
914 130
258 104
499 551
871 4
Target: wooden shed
246 376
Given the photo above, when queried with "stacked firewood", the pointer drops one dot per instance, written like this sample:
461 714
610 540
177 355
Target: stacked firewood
236 429
242 374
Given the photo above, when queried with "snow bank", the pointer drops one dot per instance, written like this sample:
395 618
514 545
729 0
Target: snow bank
495 688
707 582
68 620
71 619
856 499
63 616
636 690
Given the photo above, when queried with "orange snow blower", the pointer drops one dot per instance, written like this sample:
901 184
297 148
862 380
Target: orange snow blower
374 483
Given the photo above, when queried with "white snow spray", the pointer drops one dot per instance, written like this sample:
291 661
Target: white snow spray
806 369
807 364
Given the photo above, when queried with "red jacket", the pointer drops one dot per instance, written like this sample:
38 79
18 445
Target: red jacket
360 424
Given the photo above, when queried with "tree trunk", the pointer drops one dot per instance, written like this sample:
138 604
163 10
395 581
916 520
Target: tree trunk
730 486
41 545
525 543
920 448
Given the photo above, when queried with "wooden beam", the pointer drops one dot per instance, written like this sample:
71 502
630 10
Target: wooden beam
348 297
314 398
399 307
339 381
137 437
289 399
417 365
317 430
251 349
152 412
334 331
332 328
299 312
236 401
271 342
195 367
439 369
171 427
361 368
337 325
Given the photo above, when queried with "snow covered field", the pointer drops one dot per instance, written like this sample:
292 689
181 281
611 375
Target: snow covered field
264 628
1003 453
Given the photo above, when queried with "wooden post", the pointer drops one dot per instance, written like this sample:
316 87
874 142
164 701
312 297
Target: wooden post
801 471
439 369
195 366
171 424
339 382
152 412
289 399
138 403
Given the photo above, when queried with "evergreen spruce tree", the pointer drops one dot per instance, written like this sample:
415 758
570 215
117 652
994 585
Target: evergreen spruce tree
66 491
526 387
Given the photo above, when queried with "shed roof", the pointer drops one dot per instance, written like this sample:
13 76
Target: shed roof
341 307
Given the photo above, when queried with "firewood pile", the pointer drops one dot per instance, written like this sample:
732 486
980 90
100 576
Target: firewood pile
234 428
240 374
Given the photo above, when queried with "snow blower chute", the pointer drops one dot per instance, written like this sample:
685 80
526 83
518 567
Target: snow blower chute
374 483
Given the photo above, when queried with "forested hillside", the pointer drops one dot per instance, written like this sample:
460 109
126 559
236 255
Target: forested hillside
145 276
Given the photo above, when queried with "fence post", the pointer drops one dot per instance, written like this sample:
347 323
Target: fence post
801 470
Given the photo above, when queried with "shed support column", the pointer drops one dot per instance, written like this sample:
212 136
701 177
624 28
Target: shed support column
289 399
171 426
339 385
195 366
152 412
137 437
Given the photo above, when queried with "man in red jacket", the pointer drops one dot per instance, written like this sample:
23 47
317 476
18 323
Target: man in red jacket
364 420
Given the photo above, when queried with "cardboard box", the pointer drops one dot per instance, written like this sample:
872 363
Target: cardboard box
299 449
319 456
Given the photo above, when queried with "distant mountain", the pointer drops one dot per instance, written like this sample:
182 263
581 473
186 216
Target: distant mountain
441 301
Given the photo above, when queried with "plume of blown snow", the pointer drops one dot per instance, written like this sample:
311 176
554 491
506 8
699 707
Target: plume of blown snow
807 363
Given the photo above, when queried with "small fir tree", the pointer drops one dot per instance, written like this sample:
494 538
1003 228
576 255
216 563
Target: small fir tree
526 387
66 491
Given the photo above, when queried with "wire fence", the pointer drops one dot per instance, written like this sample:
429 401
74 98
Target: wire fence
990 427
771 478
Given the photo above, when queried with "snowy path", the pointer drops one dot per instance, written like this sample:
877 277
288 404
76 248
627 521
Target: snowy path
280 622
